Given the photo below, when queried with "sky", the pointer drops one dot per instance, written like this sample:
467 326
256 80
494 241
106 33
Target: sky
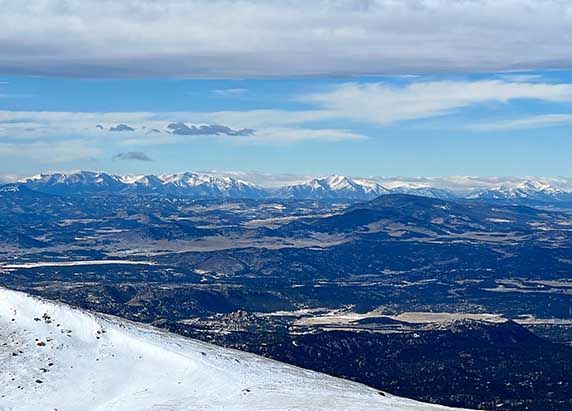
356 87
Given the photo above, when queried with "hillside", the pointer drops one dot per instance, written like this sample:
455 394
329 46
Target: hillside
56 357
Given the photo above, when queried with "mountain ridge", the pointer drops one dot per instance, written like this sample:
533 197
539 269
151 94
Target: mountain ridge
329 188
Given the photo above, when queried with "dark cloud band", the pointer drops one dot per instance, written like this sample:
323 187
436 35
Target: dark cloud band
121 127
182 129
132 155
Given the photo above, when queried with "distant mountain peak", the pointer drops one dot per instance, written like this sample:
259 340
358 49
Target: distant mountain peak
334 187
525 190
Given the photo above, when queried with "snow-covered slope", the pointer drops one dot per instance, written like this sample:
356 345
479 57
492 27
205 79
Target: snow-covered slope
56 357
333 187
142 183
206 185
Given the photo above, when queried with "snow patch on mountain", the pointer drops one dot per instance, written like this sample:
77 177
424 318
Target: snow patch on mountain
9 188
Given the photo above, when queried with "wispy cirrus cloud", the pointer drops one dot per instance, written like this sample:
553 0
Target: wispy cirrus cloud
297 134
261 38
522 77
267 136
384 104
535 121
229 92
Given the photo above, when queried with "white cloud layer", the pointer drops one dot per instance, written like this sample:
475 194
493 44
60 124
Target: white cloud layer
57 137
9 178
536 121
66 136
377 103
384 104
232 38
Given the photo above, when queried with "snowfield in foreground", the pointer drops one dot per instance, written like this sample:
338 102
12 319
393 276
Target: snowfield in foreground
54 357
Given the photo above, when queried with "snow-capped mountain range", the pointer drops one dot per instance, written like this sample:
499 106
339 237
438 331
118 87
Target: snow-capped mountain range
532 190
334 187
57 357
185 184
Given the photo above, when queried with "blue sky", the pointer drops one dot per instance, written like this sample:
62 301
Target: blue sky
474 135
356 89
